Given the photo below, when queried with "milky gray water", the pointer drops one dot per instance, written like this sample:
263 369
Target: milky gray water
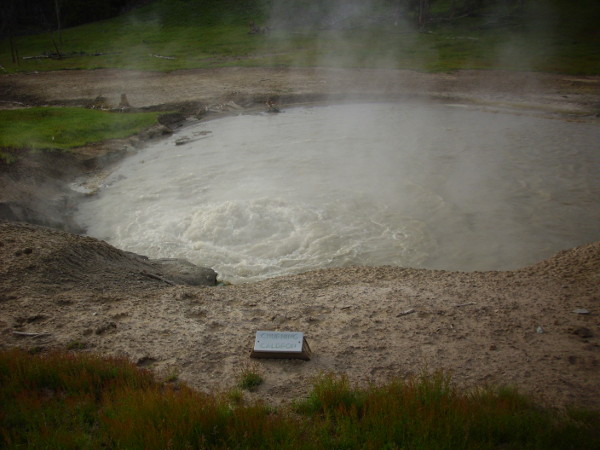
434 186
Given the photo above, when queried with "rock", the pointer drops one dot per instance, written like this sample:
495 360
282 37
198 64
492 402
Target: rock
145 361
156 131
583 332
539 330
233 105
105 327
111 157
405 313
171 119
183 140
100 102
200 112
124 103
181 271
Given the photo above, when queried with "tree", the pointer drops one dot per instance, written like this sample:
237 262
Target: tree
423 13
8 27
57 5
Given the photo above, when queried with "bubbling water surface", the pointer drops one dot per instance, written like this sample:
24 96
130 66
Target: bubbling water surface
416 185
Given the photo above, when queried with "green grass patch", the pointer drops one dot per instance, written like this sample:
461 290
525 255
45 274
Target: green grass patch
250 377
66 128
544 35
250 381
84 402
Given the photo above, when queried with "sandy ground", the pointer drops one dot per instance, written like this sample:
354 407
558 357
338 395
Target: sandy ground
552 92
537 328
522 327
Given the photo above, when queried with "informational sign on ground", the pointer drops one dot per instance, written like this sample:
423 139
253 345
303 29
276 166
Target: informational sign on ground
281 344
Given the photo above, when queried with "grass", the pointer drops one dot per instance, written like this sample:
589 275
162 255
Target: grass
192 34
76 345
548 35
84 402
250 377
64 128
428 412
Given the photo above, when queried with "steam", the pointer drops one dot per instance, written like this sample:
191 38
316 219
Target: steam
335 23
376 34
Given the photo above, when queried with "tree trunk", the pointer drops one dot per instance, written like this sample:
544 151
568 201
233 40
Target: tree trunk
9 18
14 52
58 24
423 13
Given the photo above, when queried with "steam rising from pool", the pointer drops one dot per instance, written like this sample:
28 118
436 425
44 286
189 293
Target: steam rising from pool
436 186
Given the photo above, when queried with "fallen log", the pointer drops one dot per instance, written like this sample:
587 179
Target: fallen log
36 57
162 57
34 335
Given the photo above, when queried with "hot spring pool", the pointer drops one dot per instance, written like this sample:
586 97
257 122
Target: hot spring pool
418 185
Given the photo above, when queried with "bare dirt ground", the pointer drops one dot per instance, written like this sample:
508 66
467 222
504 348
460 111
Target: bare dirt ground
537 328
552 92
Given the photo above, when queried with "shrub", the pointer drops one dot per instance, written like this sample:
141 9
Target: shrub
250 377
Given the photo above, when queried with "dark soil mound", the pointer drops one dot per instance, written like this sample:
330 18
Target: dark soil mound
57 261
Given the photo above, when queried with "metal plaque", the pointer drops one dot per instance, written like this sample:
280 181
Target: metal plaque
278 341
281 344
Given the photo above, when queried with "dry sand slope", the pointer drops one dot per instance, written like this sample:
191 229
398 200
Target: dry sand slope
60 290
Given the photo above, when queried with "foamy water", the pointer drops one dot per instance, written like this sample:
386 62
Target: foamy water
436 186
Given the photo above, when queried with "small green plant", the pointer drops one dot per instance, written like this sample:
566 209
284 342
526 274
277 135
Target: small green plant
250 377
172 378
76 345
235 396
36 349
7 156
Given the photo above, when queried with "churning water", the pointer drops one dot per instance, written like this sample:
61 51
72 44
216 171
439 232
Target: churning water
416 185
